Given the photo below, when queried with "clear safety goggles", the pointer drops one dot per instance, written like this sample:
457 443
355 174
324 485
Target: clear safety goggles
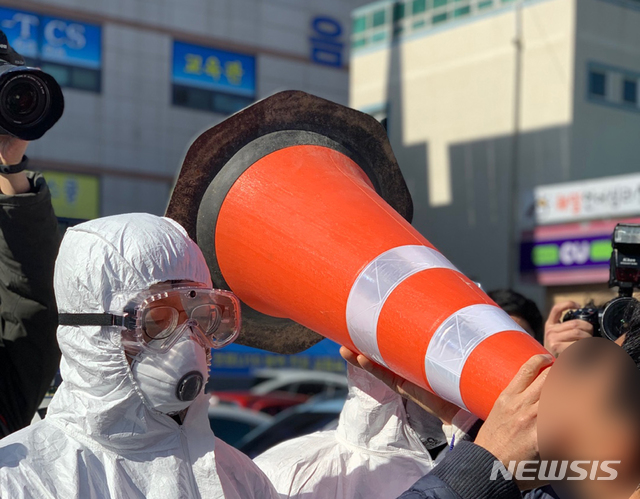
156 320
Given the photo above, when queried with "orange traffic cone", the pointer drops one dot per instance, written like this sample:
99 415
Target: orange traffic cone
299 232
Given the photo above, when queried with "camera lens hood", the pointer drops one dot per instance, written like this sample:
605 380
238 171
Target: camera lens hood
31 102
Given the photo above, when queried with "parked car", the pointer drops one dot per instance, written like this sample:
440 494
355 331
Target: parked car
272 403
302 419
231 423
298 381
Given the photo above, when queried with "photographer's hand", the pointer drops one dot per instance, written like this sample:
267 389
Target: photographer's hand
558 335
11 152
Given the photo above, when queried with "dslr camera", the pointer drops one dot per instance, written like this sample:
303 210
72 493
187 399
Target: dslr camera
612 319
31 101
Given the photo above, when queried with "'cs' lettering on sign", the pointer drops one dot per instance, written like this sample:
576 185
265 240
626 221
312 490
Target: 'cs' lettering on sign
59 33
326 45
52 39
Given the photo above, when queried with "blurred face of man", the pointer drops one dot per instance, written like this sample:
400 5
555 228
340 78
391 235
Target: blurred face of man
589 411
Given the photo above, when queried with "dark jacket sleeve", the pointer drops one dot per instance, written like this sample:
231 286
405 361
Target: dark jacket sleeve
546 492
29 353
464 474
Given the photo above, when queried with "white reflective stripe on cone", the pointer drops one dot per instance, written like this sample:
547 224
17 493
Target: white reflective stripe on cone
453 342
374 285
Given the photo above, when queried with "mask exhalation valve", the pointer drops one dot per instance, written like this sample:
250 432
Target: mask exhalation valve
189 386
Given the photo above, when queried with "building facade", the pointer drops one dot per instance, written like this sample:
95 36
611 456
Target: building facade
143 79
487 100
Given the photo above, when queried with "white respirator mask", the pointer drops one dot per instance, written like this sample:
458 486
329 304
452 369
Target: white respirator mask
171 381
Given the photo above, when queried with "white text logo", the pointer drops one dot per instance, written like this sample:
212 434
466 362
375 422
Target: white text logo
555 470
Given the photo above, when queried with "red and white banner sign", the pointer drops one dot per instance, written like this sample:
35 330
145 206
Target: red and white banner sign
607 197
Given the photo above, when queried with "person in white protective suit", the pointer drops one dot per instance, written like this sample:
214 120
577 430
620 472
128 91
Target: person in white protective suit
379 446
129 420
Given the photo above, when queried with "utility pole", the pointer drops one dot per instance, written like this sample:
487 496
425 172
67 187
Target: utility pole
513 206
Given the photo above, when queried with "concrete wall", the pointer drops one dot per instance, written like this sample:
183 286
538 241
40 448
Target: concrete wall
605 130
451 122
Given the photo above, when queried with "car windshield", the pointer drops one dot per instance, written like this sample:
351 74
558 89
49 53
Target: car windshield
229 430
295 425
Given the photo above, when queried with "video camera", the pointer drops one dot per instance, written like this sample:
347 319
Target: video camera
612 319
31 101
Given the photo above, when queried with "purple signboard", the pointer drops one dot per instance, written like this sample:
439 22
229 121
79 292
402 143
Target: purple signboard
592 251
578 253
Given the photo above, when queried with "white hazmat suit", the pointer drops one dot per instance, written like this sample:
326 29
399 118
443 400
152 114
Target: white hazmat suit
373 453
99 438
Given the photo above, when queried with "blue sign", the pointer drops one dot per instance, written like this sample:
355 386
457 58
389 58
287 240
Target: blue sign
214 69
52 38
240 360
72 43
22 30
326 46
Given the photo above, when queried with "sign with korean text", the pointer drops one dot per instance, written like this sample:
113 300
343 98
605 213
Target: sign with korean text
607 197
240 360
74 195
52 39
325 42
214 69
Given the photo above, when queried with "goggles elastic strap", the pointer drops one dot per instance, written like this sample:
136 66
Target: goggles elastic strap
96 320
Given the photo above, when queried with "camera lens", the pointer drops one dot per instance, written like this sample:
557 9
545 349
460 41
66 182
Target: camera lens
31 102
615 317
23 101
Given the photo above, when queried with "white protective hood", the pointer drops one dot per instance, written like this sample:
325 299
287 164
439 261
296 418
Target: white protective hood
99 439
374 452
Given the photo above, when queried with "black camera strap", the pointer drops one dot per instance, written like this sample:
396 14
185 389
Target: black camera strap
15 168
